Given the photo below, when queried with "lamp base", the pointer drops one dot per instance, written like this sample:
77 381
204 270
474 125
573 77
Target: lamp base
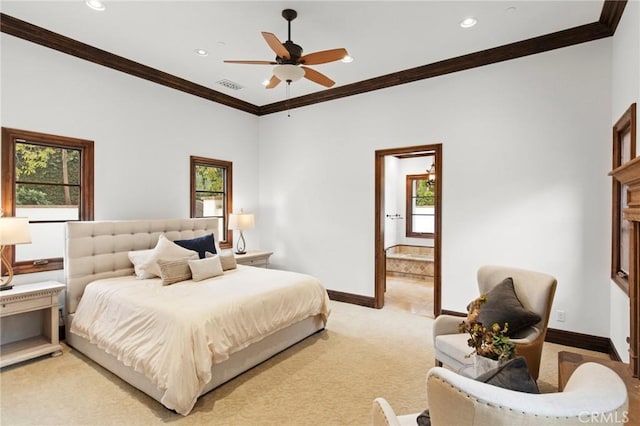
6 287
241 252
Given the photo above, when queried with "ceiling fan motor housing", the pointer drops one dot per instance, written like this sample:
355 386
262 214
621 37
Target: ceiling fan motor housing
295 53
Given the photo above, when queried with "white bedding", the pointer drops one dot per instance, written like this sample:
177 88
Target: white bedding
173 334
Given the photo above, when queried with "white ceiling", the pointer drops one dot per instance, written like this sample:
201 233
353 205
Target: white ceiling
382 36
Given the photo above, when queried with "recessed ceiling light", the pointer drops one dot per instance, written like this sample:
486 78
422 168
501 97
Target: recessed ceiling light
347 59
201 52
511 9
95 5
468 22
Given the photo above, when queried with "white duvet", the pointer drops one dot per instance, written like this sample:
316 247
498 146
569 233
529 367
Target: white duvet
174 334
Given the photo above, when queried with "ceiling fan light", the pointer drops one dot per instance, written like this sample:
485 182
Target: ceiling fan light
347 59
288 72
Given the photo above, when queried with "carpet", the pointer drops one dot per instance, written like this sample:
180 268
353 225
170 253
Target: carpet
330 378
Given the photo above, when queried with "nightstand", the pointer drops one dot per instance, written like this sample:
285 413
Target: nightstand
27 298
254 258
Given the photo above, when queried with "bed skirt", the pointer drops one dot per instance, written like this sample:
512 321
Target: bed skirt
237 363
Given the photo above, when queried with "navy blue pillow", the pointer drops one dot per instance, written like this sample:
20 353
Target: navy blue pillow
201 245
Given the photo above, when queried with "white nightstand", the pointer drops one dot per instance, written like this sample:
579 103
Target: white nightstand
254 258
28 298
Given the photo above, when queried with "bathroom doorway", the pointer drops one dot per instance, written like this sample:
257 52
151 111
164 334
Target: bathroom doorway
408 193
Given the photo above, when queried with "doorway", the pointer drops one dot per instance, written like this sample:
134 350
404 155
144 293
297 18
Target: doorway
428 238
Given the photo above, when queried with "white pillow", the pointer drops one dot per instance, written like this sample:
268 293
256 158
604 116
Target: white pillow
227 259
165 249
138 258
201 269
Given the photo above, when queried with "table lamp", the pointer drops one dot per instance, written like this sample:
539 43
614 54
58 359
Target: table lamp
13 230
240 222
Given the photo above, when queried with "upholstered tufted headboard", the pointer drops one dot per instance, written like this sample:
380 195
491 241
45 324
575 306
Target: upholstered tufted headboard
96 250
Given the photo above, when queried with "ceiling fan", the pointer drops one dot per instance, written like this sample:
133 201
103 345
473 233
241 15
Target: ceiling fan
290 63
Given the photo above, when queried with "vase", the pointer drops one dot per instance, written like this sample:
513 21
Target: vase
482 364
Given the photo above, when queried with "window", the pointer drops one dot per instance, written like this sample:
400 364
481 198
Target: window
211 193
48 179
421 202
624 149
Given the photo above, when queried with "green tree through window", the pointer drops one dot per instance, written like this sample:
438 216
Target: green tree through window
47 175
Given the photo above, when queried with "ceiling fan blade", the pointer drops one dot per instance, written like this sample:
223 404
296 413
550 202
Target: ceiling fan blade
252 62
273 82
275 45
317 77
324 56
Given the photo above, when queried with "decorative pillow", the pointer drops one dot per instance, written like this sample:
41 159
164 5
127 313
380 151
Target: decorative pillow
138 258
513 375
175 270
165 249
201 269
200 244
227 259
503 306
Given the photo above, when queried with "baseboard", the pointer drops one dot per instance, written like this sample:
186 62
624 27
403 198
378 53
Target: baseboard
613 353
453 313
570 338
579 340
354 299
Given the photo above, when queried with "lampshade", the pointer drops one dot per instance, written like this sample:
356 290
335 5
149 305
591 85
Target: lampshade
241 221
288 72
14 230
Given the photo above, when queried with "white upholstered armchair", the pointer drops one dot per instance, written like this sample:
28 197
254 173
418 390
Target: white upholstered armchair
535 291
594 394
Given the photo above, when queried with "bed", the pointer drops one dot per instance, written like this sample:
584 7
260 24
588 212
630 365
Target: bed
177 342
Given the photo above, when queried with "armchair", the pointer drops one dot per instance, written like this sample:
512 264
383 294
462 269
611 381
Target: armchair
594 394
535 291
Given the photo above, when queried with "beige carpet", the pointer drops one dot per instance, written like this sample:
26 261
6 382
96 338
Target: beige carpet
329 379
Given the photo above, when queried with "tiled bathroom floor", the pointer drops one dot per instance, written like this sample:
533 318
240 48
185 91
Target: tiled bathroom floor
410 294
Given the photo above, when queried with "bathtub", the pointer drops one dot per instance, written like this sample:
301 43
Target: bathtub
410 261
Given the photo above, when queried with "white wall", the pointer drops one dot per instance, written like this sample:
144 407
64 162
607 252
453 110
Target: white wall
625 54
144 133
392 203
526 153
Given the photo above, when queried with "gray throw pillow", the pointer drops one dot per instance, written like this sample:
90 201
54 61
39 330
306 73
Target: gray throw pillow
513 375
503 306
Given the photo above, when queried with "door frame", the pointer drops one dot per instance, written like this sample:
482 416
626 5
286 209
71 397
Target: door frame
380 259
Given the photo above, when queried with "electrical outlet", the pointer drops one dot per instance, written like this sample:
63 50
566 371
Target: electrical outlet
561 316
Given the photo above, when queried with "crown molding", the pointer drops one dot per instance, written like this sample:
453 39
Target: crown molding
52 40
532 46
605 27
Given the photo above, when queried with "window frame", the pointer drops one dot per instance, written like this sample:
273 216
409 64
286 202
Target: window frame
86 201
409 232
228 193
625 125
